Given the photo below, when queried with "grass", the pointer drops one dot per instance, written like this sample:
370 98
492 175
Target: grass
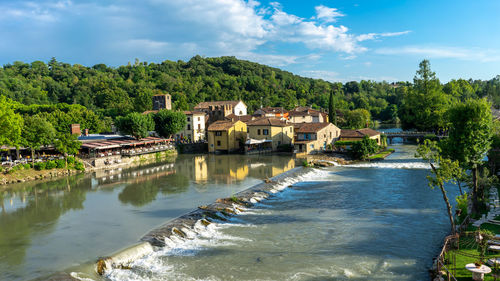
467 253
381 155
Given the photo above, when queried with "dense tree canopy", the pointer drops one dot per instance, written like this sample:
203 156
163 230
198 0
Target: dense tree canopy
423 107
169 122
96 96
135 124
11 123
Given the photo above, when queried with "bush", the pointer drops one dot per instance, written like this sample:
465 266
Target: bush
40 166
462 206
361 149
329 146
27 166
60 163
344 143
79 166
71 160
1 169
51 165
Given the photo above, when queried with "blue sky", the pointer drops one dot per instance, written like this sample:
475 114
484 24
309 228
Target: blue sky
340 40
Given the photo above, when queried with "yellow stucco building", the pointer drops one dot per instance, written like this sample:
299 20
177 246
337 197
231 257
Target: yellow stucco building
278 131
226 136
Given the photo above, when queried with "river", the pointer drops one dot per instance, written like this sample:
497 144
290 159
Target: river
363 222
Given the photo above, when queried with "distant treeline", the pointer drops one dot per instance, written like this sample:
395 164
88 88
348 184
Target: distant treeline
112 92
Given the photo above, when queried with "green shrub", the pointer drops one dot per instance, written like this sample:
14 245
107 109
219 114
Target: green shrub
60 163
361 149
71 160
79 166
344 143
51 165
1 169
329 146
462 206
27 166
40 166
305 163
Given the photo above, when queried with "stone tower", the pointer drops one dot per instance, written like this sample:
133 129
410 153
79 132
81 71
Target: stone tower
162 102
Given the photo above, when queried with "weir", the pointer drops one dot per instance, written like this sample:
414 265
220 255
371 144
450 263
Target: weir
184 227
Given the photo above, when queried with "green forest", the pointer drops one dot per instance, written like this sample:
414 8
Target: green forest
96 96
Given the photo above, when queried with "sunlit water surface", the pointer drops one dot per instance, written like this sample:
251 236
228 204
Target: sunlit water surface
362 222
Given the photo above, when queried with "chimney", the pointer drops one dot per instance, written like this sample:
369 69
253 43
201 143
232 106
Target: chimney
75 129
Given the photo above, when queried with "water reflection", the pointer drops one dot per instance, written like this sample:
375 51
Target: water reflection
31 212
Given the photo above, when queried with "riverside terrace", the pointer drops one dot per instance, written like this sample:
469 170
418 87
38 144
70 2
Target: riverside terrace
124 147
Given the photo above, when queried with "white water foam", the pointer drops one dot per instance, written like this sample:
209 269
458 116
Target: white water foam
382 165
198 238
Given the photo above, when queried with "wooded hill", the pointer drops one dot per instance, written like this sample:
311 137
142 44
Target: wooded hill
112 92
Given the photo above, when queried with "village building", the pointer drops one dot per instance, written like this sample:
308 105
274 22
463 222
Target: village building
276 112
357 135
194 131
226 136
269 133
218 110
314 137
307 115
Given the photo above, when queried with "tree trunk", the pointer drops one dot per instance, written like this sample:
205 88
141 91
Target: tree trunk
448 206
33 157
460 187
475 190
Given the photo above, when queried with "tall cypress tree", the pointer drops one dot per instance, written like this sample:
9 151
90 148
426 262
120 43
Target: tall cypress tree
332 114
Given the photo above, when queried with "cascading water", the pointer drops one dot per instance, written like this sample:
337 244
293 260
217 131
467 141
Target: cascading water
369 222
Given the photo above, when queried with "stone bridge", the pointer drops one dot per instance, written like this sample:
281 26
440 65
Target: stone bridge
407 135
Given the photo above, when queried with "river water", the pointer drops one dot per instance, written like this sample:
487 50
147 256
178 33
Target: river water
361 222
52 226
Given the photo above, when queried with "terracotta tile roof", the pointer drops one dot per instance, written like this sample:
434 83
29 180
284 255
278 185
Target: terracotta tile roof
242 118
222 125
358 133
206 104
301 111
194 112
275 122
273 109
311 127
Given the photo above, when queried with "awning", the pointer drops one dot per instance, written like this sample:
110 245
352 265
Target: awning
254 141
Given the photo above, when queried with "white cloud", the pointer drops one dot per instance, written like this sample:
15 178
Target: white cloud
327 14
468 54
160 29
373 36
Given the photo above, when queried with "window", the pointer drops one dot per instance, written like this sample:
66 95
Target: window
330 134
218 143
279 143
265 132
218 133
199 118
189 127
258 132
241 112
291 129
312 145
189 119
199 126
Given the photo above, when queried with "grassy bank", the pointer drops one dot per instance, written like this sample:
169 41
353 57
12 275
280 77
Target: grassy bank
381 155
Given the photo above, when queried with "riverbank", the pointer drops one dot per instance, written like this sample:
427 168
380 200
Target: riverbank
31 174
